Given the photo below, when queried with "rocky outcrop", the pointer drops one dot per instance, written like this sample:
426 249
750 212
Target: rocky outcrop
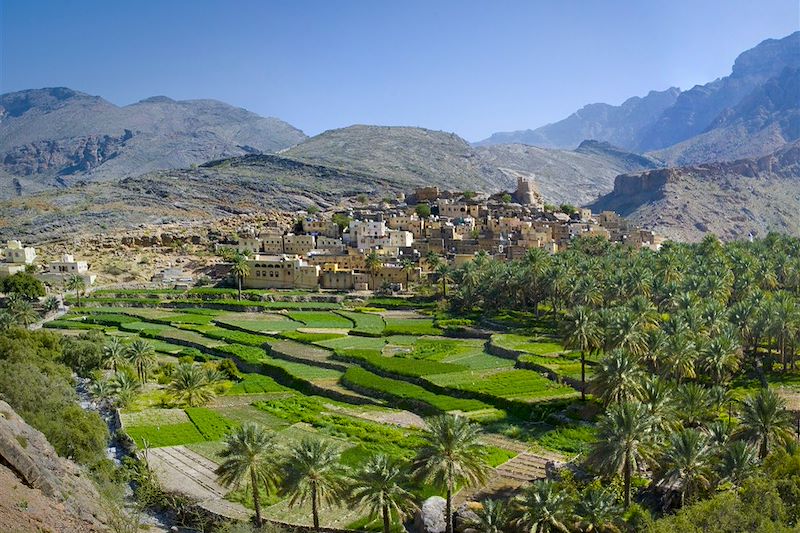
732 200
34 478
430 517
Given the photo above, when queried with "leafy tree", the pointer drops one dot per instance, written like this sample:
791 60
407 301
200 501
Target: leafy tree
378 487
250 459
625 440
423 210
341 220
451 457
24 284
313 474
506 198
568 209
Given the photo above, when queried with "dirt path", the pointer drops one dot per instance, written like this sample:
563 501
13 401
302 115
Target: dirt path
179 469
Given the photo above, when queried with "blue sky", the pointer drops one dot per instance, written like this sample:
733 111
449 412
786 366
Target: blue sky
464 66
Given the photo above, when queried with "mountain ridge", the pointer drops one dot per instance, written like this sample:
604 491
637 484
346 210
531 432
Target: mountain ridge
677 117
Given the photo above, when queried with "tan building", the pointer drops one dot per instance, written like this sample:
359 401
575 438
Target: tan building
281 272
392 274
333 244
298 244
326 228
458 209
348 259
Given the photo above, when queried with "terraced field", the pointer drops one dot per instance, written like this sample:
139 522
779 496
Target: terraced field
363 379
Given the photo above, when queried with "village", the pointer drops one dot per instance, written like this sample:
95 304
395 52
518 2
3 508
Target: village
384 245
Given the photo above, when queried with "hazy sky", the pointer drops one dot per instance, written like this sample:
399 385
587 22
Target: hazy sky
464 66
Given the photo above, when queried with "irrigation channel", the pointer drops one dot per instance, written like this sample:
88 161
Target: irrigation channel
148 518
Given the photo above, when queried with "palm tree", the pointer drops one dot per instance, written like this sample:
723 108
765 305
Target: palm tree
249 459
190 385
625 440
542 508
240 270
433 260
78 284
687 464
313 473
582 333
142 357
408 266
765 420
123 387
738 462
114 354
493 516
694 403
597 509
657 396
51 304
443 270
451 457
6 320
721 357
619 378
23 313
373 264
377 486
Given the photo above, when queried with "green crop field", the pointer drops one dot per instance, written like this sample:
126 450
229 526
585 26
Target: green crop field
411 326
318 319
524 385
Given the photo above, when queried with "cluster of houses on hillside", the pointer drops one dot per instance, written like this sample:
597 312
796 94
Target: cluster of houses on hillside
387 244
330 250
18 258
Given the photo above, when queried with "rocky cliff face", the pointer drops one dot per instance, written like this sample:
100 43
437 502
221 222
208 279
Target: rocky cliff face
730 199
40 491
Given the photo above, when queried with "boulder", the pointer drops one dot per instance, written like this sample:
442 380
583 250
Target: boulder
430 517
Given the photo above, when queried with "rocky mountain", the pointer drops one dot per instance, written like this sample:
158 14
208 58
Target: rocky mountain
760 123
749 113
402 155
620 125
567 176
246 184
40 491
58 137
729 199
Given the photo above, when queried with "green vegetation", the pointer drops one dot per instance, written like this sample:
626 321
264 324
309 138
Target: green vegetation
211 425
408 393
400 366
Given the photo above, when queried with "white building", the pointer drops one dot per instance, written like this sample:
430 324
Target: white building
16 258
59 271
